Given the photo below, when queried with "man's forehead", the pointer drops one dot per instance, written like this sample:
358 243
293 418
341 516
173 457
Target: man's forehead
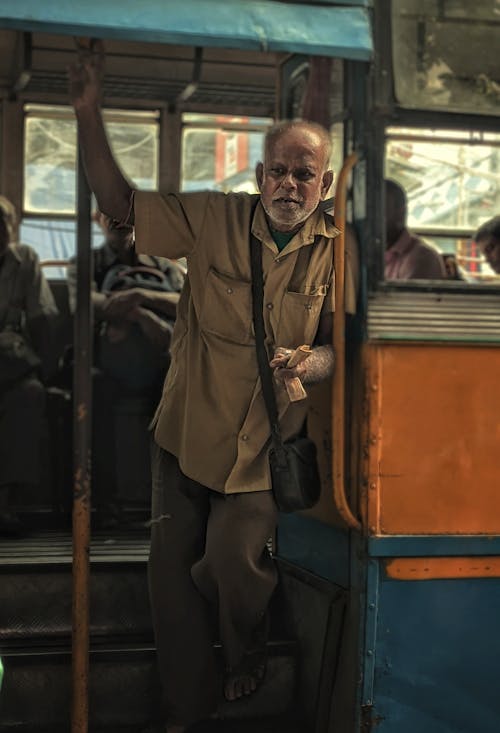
303 145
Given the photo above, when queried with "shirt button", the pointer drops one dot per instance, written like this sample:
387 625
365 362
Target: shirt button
308 306
277 260
244 437
269 306
229 291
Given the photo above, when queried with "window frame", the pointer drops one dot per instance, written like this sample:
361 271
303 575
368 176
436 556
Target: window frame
65 112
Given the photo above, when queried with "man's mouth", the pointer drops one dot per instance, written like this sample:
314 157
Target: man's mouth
286 200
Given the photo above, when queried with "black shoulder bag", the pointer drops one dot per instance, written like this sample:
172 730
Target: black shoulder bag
294 467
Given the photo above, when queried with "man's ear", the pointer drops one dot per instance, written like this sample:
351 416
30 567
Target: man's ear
326 182
259 175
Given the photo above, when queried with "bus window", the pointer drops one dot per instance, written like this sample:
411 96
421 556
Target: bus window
452 182
50 147
220 152
443 55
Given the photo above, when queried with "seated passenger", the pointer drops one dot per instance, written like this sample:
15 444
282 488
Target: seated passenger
487 238
27 311
134 300
407 257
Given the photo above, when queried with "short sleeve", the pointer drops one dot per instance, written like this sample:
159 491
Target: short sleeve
168 225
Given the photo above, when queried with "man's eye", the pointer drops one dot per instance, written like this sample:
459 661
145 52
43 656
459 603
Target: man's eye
304 175
277 171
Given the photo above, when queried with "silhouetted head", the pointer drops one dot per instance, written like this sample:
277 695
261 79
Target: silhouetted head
487 238
8 220
395 211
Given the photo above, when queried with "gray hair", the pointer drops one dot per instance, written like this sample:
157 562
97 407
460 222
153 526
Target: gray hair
282 127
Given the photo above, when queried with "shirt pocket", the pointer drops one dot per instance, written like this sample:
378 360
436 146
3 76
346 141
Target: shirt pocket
299 317
227 308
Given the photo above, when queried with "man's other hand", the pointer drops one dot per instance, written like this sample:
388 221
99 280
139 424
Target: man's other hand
279 362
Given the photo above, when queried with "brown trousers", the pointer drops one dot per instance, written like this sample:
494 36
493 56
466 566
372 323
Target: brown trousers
210 573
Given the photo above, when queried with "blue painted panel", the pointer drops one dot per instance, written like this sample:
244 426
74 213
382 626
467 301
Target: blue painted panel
315 546
247 24
432 546
437 656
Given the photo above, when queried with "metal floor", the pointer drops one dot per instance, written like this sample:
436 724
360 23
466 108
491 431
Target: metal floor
54 546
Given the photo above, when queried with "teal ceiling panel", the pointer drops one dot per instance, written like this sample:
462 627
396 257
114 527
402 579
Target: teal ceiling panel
262 25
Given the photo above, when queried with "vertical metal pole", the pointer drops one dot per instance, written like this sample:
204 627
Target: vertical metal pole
338 387
82 434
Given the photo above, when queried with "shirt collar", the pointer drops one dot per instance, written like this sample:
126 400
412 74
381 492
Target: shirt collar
318 224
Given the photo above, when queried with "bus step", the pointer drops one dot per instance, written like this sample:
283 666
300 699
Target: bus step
123 688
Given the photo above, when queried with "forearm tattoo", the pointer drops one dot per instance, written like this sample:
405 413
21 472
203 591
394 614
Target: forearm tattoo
319 365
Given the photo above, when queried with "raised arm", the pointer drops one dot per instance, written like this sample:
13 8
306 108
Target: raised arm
106 180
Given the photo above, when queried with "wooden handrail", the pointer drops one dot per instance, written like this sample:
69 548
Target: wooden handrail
54 263
338 388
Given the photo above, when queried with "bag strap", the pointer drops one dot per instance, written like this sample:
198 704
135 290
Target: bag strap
266 377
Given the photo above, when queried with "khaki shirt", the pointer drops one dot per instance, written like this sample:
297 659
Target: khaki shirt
212 414
24 291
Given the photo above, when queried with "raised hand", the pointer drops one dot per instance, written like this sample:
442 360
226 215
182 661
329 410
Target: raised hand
86 74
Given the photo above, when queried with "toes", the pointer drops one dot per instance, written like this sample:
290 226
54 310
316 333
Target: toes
237 687
233 689
248 685
229 691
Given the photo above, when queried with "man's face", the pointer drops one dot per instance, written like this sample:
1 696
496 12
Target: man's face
292 180
490 249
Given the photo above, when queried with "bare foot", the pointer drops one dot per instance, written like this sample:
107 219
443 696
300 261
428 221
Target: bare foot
245 677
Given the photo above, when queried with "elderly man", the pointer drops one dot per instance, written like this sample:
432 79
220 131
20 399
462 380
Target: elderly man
487 238
406 257
27 310
213 510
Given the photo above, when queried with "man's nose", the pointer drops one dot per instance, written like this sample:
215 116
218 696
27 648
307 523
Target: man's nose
288 181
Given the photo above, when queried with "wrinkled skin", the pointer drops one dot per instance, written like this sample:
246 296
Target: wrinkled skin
293 180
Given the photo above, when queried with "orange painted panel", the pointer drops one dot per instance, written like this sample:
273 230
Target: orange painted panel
432 568
434 449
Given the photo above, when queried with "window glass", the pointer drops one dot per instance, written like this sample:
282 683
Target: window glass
50 152
220 152
51 148
54 240
452 184
49 164
135 143
443 54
